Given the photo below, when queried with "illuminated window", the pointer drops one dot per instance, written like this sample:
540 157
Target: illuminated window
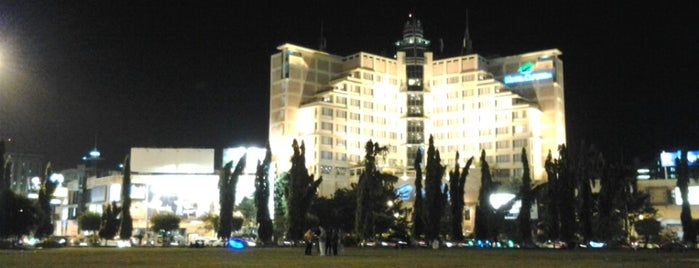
326 126
340 171
518 129
326 140
483 90
327 112
502 145
341 100
502 159
341 156
326 169
517 158
325 155
485 146
519 143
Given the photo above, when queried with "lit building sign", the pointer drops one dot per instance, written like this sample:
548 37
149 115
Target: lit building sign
530 72
668 159
693 195
404 191
527 77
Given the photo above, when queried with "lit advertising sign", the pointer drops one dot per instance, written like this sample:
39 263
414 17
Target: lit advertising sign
530 72
530 77
693 195
668 159
404 191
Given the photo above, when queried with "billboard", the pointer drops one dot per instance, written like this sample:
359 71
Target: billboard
669 159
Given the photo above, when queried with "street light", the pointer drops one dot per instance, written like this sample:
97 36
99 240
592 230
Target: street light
92 156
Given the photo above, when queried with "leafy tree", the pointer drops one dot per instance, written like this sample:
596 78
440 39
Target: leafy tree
337 211
376 198
565 184
248 212
126 227
457 182
18 215
48 187
264 221
110 221
419 217
211 221
227 187
434 197
484 209
237 223
281 221
165 223
648 228
90 221
690 234
300 192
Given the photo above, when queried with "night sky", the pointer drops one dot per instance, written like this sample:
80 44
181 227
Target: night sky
125 74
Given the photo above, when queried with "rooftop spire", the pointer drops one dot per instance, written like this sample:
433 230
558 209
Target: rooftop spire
466 46
322 42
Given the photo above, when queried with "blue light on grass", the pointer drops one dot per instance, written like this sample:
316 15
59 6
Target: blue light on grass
236 243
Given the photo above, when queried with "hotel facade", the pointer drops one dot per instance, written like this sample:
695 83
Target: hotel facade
335 104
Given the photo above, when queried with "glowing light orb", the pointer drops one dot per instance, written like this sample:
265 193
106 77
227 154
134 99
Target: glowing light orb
236 243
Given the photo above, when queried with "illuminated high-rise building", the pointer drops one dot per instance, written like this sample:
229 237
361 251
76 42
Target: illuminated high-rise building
468 103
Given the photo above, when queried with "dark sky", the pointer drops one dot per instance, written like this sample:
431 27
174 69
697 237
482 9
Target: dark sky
196 73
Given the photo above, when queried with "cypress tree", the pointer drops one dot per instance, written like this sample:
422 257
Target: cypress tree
525 192
126 227
434 197
301 190
457 182
418 206
264 220
690 235
225 202
484 210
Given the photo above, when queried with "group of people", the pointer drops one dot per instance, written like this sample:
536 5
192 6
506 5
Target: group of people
328 241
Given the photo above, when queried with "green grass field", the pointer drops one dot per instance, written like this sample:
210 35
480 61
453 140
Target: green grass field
351 257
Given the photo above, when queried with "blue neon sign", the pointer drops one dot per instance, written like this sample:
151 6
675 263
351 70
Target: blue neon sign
527 77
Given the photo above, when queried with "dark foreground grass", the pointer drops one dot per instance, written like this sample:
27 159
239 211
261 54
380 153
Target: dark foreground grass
351 257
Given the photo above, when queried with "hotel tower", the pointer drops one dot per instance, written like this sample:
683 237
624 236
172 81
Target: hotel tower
335 104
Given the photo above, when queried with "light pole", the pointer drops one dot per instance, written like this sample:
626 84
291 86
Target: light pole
93 157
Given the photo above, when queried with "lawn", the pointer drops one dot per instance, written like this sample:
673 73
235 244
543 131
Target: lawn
351 257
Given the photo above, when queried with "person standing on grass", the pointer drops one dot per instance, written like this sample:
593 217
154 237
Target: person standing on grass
321 240
338 241
308 238
329 242
333 241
